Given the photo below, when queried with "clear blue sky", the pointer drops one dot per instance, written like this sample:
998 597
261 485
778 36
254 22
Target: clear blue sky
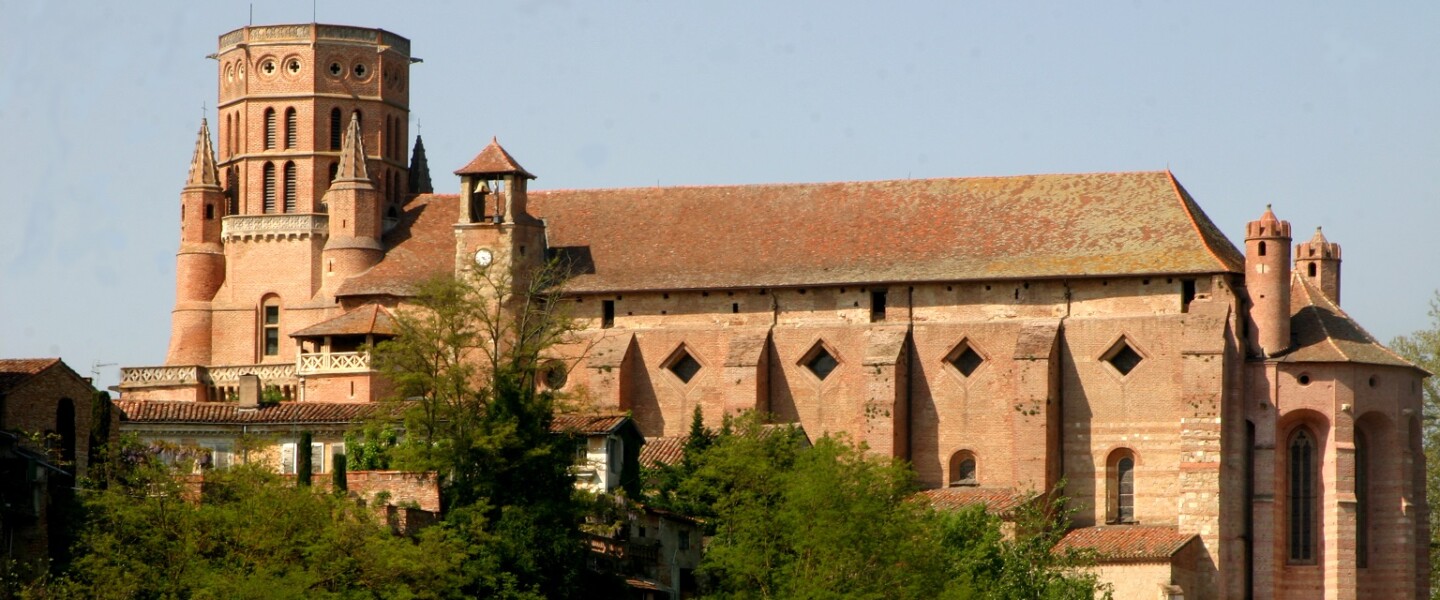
1328 111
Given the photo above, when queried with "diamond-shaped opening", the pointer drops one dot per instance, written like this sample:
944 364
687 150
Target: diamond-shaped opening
965 359
1123 357
684 366
821 362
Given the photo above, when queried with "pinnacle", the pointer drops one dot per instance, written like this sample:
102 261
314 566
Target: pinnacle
203 172
352 155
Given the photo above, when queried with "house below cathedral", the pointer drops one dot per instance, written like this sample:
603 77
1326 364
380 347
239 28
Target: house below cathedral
1213 414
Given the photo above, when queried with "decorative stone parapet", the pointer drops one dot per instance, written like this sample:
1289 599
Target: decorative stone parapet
333 362
309 31
244 227
189 375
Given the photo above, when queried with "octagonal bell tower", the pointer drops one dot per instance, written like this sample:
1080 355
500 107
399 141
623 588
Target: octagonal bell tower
287 95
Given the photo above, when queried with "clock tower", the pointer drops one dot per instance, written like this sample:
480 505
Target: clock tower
495 230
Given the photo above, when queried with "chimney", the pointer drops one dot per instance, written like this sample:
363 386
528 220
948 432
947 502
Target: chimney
249 391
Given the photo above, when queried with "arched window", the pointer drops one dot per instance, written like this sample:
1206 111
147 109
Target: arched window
1362 499
268 198
290 186
229 133
1301 498
269 129
1262 248
1120 486
270 326
291 129
335 131
962 469
1311 269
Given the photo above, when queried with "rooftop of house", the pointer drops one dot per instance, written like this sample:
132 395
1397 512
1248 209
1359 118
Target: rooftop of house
999 501
1128 543
778 235
662 449
371 319
16 371
231 413
1325 333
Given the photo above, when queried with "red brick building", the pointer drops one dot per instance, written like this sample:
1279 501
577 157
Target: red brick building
1004 333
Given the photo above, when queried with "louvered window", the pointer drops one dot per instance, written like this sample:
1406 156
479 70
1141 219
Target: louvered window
290 185
269 129
269 195
335 132
291 128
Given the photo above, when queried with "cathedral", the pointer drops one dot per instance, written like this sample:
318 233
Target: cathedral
1220 426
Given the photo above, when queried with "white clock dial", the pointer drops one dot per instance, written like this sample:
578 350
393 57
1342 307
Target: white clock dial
483 257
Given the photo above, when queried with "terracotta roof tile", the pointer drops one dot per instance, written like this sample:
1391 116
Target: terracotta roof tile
587 424
1324 333
15 371
1128 543
219 413
368 319
883 231
664 449
420 247
493 160
997 501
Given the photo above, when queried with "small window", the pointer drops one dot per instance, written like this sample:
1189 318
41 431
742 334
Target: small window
336 70
317 458
291 129
962 469
877 305
607 314
1310 268
820 362
361 71
965 359
554 375
1125 490
1123 357
684 366
1187 294
684 540
271 333
268 197
209 212
1262 248
287 458
291 183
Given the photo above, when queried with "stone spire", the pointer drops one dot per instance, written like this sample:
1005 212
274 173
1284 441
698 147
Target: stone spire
203 172
352 155
420 170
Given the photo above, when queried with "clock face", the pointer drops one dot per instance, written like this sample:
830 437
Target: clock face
483 257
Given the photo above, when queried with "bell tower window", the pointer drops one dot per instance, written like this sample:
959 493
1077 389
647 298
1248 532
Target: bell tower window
291 127
335 131
268 198
269 129
290 185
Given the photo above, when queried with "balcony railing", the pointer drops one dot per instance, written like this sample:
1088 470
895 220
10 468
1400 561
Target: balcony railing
324 363
187 375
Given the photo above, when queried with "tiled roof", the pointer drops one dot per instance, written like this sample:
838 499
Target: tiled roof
882 231
493 160
1139 543
420 247
587 424
368 319
224 413
997 501
663 449
837 233
15 371
1324 333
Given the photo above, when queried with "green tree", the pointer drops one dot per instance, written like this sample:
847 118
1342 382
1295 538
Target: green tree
1423 348
466 356
246 535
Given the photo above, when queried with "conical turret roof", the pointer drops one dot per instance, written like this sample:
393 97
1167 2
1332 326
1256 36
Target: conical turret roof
352 155
494 160
420 170
203 172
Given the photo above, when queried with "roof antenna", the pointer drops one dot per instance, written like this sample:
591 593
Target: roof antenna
313 10
252 13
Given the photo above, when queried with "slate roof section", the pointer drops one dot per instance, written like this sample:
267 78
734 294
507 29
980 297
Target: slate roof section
997 501
587 424
1324 333
1128 543
16 371
493 160
226 413
662 449
371 319
983 228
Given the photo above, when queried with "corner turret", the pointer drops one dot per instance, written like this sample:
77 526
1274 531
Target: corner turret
420 170
492 188
1267 280
353 204
1319 261
200 263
